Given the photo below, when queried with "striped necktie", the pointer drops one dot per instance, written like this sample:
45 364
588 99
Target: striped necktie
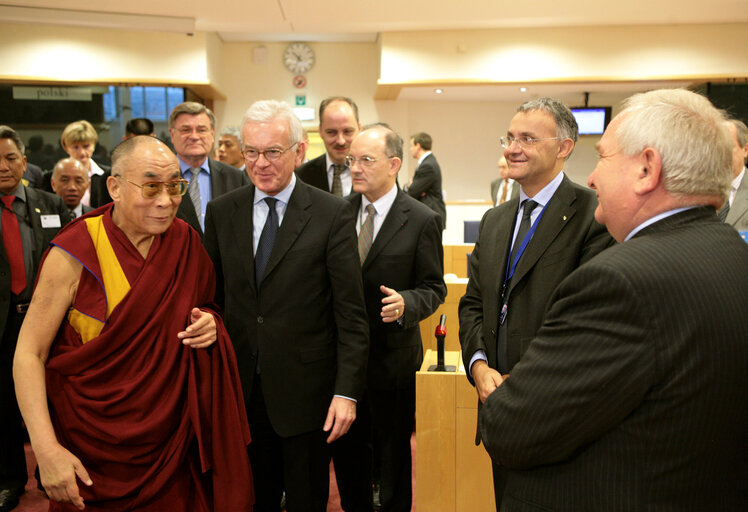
366 235
337 183
194 190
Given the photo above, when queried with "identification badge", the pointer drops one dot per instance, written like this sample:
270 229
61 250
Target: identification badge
502 315
51 221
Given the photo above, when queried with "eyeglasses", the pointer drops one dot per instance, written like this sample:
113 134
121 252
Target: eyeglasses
523 142
366 162
271 154
151 189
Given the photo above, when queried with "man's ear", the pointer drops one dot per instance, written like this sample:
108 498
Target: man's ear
565 149
113 186
650 174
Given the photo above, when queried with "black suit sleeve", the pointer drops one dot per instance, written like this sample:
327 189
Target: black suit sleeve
424 179
210 242
430 290
588 368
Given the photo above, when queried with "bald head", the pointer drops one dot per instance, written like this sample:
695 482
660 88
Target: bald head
140 145
70 181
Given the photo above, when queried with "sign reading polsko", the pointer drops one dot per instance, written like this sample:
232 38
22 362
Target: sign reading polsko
52 93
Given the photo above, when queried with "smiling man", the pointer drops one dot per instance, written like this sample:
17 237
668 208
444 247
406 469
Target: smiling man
525 247
289 283
124 408
632 395
192 131
338 125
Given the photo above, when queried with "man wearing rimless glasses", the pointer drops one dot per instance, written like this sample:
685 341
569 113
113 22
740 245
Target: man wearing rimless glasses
115 342
525 247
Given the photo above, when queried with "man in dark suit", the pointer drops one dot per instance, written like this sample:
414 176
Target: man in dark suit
289 283
523 252
503 188
735 210
402 264
192 131
70 181
426 184
31 218
338 125
632 396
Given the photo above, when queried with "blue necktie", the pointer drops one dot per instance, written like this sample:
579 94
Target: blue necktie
267 239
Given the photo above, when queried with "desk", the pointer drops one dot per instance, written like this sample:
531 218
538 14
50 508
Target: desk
452 474
455 258
455 291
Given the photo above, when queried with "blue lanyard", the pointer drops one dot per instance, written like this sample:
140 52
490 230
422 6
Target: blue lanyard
511 265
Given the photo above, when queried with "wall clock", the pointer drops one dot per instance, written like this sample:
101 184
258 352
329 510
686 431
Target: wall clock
298 58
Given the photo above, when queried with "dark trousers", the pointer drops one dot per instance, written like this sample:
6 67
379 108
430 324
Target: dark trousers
352 458
391 420
300 465
13 473
499 483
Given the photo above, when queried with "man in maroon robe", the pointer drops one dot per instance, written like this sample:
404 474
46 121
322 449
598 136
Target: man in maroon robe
145 407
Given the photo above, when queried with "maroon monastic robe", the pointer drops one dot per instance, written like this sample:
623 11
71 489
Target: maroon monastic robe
158 426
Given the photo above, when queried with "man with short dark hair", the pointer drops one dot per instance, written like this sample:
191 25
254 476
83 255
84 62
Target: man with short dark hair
735 209
289 283
632 394
30 219
70 181
138 126
399 246
192 130
125 406
426 184
525 247
338 125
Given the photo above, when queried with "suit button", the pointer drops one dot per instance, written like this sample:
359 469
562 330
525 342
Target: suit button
260 320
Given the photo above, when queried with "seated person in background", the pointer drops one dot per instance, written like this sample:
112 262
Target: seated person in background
110 384
79 141
70 182
138 126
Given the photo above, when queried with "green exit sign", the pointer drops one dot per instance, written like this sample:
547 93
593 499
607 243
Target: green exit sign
300 100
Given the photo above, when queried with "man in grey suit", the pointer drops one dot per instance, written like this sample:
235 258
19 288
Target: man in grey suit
338 125
525 247
35 217
503 188
632 395
289 283
735 210
192 129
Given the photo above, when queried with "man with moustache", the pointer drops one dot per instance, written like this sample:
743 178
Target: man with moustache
338 125
289 283
192 131
30 219
632 395
230 148
525 247
125 407
70 181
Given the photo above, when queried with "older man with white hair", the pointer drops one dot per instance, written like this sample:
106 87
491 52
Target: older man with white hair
632 395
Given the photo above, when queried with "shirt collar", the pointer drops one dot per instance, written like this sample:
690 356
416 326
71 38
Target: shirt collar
94 169
19 192
546 193
427 153
330 163
738 180
283 196
186 168
383 204
654 219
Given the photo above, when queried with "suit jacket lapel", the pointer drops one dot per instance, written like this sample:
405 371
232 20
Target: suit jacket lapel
396 219
36 222
502 235
243 222
217 183
558 213
294 220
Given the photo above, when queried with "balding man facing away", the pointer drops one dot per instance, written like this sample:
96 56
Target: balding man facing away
633 394
141 415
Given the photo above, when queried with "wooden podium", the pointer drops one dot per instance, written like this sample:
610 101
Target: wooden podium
452 474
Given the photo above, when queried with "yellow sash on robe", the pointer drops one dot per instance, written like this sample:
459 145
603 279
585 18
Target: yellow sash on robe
116 285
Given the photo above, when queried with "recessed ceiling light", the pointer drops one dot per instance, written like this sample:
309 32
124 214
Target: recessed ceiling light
523 89
438 91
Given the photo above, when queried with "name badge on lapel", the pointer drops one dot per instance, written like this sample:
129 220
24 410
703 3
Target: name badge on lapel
51 221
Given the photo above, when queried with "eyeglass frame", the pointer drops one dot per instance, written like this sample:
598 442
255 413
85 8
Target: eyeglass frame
264 153
507 141
162 185
350 160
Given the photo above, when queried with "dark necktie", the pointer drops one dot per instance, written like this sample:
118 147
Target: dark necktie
724 211
524 226
366 235
337 184
267 239
13 246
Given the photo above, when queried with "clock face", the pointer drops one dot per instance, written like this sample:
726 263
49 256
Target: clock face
298 58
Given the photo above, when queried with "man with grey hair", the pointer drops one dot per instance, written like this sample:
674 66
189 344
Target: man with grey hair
293 304
632 395
525 247
735 209
230 148
192 130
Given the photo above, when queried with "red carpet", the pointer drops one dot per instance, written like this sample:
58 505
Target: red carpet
34 500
